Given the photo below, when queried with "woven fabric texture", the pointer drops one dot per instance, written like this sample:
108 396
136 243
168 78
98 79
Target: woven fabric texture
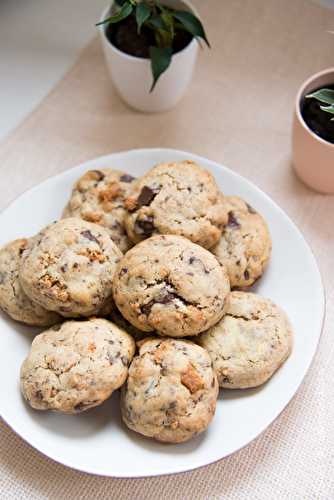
238 111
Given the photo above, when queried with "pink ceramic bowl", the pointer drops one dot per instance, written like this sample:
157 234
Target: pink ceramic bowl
312 157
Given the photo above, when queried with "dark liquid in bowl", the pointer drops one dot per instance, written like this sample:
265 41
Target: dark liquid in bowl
318 120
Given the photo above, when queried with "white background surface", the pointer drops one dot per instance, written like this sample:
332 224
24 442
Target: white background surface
39 40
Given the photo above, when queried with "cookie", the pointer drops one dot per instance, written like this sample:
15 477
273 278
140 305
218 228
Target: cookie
245 245
98 196
69 267
13 300
169 284
171 392
250 342
75 366
176 198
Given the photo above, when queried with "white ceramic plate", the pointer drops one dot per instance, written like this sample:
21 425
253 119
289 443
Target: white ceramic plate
96 441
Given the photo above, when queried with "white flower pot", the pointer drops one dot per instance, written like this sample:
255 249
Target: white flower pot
132 76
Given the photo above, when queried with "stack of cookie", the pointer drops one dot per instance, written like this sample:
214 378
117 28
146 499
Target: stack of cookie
151 260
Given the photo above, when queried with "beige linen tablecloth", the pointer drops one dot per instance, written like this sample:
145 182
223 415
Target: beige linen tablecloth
238 112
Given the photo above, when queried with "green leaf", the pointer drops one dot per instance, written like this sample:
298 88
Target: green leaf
323 95
328 109
168 20
162 8
192 24
143 13
124 12
157 23
120 2
160 61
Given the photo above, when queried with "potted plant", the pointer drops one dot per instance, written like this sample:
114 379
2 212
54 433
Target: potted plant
151 47
313 132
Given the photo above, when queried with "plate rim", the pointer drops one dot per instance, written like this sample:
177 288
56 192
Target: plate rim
198 158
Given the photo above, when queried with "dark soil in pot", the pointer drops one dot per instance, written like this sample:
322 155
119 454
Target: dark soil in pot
124 36
318 120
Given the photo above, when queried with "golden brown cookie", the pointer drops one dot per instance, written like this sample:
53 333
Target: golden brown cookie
171 391
75 366
245 245
176 198
249 343
98 196
171 285
69 267
13 300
